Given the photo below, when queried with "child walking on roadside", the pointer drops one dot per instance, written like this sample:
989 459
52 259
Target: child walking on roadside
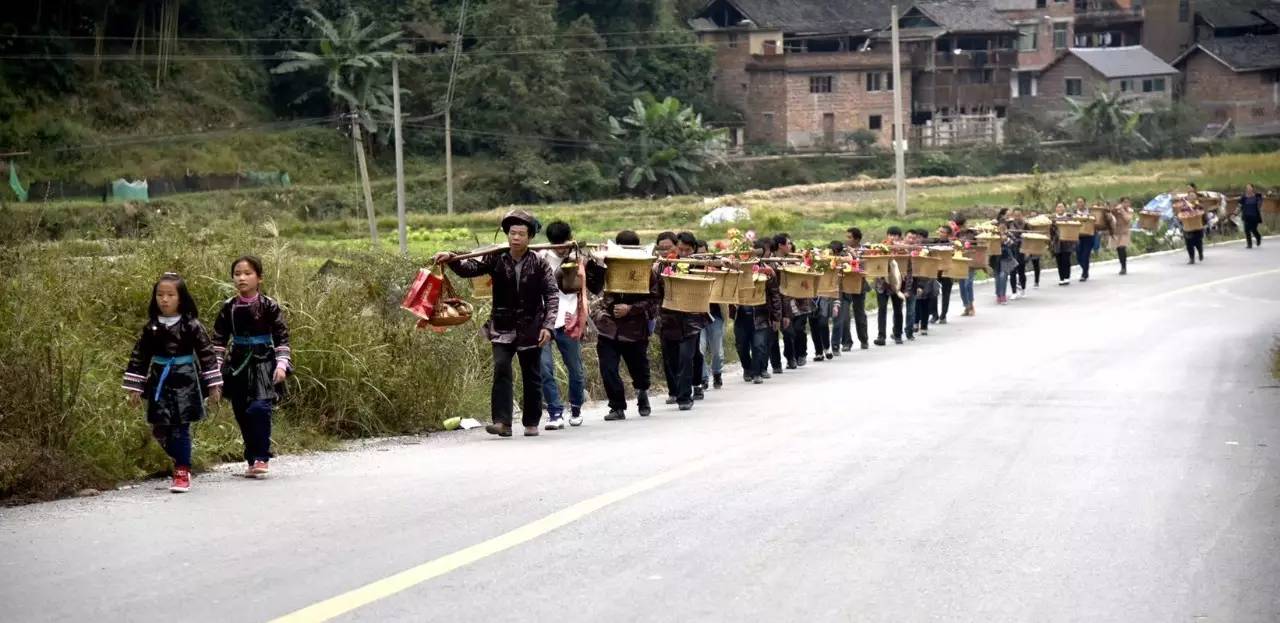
173 367
252 342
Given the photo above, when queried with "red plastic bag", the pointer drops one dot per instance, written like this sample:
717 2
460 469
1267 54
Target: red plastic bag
423 294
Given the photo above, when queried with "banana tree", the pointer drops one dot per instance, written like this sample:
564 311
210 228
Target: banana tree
662 147
1107 124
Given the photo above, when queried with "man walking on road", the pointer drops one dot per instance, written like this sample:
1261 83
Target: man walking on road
622 322
525 304
571 323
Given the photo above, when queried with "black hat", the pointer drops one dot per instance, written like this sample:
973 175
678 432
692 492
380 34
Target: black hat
520 217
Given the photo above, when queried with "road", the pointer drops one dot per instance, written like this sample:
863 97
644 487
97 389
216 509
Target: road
1104 452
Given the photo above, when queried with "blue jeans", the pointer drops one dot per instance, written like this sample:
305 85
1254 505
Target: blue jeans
910 305
966 289
712 346
571 353
1002 283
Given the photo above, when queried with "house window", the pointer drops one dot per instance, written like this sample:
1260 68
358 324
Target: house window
1184 10
1075 87
1154 85
1040 4
768 122
733 39
1060 36
880 81
1028 37
819 84
1124 86
875 122
1024 84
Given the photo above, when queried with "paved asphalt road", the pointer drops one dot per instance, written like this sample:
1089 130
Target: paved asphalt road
1104 452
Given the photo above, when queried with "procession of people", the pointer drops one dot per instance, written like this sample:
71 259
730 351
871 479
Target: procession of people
774 299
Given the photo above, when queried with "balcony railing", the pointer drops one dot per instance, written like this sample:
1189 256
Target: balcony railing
1104 11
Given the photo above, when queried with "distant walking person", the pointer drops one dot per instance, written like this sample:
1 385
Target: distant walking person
1193 239
1062 249
1251 214
1122 221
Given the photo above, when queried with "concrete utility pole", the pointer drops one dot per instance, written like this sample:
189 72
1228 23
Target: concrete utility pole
899 131
395 106
448 117
358 145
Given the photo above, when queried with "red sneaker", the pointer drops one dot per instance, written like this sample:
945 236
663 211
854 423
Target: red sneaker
259 469
181 480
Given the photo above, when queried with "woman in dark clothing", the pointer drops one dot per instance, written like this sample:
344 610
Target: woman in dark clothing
1062 249
1251 214
1193 239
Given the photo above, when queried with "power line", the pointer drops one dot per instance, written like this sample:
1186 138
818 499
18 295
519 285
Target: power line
442 55
53 37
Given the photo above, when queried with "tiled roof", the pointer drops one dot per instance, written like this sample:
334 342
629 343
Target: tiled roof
1123 62
1247 53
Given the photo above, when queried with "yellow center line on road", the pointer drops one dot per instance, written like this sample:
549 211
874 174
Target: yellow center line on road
386 587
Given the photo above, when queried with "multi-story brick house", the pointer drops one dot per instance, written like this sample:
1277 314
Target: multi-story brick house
804 74
1173 26
1082 73
1236 82
808 73
1047 28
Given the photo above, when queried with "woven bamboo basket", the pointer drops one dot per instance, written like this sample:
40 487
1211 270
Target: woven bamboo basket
1040 229
1149 221
687 293
482 287
1192 222
852 283
943 255
877 266
1069 230
959 268
799 284
627 275
725 289
1034 244
1271 205
924 267
1086 227
992 243
829 284
754 295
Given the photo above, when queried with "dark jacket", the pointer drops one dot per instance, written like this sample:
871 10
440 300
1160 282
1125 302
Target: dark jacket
519 314
675 325
763 316
251 339
1251 207
180 398
634 327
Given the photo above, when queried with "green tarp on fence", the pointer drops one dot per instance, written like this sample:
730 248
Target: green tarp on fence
129 191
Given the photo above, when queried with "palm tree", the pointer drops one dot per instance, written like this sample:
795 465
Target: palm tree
355 64
1107 124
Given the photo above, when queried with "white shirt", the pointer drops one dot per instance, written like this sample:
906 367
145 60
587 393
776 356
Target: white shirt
568 302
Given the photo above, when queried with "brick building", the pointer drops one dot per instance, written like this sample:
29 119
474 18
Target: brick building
805 74
1081 73
1236 82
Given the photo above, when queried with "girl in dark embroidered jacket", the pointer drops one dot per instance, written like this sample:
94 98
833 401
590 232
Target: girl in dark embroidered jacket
173 367
252 342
